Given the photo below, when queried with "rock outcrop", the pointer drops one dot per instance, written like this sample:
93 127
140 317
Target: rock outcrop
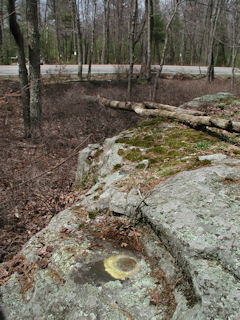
196 215
216 99
173 237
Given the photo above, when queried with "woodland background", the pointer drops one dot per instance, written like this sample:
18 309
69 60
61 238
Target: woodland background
101 29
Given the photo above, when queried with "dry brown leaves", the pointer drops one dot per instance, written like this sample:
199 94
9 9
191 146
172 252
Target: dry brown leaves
120 231
163 293
24 268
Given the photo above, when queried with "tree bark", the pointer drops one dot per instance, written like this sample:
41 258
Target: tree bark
75 9
34 67
1 31
85 35
155 87
39 14
56 16
134 9
149 5
215 9
234 59
1 44
105 28
80 51
92 39
74 15
108 33
235 41
119 31
23 74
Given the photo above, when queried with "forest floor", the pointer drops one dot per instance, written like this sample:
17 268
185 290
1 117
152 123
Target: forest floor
37 176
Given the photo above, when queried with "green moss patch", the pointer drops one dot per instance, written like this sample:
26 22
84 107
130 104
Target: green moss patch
117 167
120 152
196 163
92 214
137 141
98 153
141 166
81 185
155 160
203 145
152 122
82 226
237 152
170 148
170 172
227 100
134 155
158 149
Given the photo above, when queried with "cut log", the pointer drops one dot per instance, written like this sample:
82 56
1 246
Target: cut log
154 105
195 119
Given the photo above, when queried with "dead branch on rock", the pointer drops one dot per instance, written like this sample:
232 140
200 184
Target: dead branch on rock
160 106
194 119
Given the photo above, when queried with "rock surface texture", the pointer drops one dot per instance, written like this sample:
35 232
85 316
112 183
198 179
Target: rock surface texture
213 99
185 260
196 215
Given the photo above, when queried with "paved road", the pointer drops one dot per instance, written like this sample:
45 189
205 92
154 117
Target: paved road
11 71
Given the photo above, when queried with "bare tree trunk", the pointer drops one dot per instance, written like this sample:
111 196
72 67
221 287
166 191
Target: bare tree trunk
74 13
155 87
149 5
1 45
181 48
46 33
119 32
39 14
56 16
108 33
133 16
34 67
85 35
234 59
92 39
105 27
85 52
23 74
1 31
171 46
79 37
104 33
215 9
235 42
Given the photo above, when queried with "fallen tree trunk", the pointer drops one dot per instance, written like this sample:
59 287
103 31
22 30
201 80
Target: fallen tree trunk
195 119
